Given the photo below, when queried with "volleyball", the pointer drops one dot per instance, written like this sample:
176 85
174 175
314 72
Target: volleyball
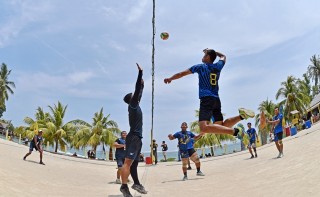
164 35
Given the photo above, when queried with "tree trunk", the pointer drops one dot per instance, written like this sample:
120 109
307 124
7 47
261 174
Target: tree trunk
110 154
56 148
264 138
212 151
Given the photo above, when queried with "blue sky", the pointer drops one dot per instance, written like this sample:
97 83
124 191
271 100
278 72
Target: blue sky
83 53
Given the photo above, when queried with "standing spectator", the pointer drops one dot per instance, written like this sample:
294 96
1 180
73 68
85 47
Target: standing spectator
164 150
120 145
154 151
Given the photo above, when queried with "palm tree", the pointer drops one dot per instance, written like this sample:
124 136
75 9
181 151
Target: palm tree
6 87
294 99
208 139
56 132
33 124
102 131
267 107
314 69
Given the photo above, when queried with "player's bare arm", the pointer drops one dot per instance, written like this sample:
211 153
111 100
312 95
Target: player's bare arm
221 56
177 76
171 137
117 145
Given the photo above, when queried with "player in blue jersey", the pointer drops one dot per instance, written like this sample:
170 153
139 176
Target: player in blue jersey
120 145
36 144
186 141
133 139
253 136
277 130
210 105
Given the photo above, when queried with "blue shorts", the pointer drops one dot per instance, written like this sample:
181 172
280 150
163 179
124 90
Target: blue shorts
187 153
32 146
252 144
133 147
278 136
120 162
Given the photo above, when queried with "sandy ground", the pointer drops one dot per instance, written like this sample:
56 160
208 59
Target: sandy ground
296 174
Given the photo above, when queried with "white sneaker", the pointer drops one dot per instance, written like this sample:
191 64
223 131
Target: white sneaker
185 177
118 181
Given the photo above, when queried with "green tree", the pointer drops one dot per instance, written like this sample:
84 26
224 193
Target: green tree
314 69
267 107
208 139
55 131
6 87
294 98
103 131
33 124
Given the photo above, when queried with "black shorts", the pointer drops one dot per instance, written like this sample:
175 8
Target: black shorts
187 153
133 147
210 107
278 136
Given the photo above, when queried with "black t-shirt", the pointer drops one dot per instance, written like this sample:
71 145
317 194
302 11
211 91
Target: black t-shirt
135 113
164 147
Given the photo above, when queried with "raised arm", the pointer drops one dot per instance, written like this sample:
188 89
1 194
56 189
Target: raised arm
221 56
139 88
177 76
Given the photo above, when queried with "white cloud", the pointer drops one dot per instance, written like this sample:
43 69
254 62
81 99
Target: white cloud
137 11
26 12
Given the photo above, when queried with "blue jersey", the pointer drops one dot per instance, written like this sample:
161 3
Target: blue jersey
278 127
208 75
252 134
185 140
120 152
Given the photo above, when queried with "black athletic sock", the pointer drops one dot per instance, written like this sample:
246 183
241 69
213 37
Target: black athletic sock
236 131
198 169
124 185
134 172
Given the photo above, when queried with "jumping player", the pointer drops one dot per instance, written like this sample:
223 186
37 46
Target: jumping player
133 140
185 140
210 105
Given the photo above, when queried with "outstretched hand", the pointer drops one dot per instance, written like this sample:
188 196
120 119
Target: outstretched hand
139 68
167 80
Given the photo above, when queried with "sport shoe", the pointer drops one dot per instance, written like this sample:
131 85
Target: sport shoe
200 173
41 163
125 191
246 113
280 155
24 158
256 155
185 178
118 181
189 168
251 157
236 131
139 188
